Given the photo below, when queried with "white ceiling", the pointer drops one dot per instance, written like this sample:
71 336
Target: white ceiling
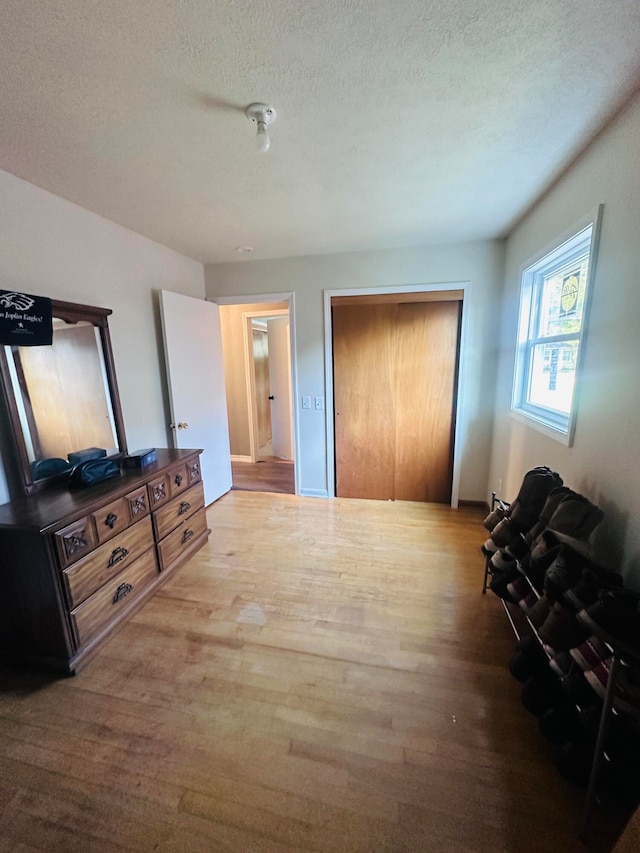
400 123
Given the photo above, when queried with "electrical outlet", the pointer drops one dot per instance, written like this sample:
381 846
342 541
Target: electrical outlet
319 401
306 402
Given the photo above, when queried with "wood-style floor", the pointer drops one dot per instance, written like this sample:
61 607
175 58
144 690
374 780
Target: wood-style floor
323 676
269 475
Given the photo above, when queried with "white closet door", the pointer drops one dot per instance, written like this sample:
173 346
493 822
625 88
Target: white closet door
195 376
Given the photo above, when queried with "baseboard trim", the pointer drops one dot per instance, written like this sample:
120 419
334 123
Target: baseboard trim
314 493
240 458
475 504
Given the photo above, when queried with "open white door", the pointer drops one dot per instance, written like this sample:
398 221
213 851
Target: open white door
195 375
280 383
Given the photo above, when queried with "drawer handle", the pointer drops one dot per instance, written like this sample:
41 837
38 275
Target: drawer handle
187 535
184 507
123 590
111 519
117 555
178 480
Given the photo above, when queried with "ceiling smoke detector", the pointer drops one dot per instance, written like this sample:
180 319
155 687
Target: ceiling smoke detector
263 115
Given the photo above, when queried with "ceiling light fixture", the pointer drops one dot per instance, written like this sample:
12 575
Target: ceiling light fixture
263 115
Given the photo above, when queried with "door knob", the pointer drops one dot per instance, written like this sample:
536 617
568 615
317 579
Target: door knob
271 397
183 425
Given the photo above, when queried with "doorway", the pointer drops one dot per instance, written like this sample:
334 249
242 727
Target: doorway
259 379
393 361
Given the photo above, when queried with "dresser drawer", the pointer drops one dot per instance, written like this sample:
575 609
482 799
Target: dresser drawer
178 510
179 542
159 491
76 540
115 598
194 473
88 575
111 520
138 503
178 480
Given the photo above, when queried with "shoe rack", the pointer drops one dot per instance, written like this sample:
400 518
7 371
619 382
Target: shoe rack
619 659
496 503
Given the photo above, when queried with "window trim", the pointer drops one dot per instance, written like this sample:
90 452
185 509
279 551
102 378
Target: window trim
555 424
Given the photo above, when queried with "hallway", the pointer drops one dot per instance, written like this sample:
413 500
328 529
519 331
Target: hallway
268 475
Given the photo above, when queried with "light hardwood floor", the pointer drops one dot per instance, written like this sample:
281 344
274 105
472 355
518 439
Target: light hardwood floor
323 676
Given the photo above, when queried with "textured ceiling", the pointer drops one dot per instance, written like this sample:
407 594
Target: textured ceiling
399 123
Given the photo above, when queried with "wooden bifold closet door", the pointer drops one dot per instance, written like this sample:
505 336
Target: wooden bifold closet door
395 376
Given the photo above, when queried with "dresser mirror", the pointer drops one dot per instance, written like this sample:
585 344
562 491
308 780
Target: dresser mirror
63 398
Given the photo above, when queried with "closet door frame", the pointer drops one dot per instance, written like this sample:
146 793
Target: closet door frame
460 395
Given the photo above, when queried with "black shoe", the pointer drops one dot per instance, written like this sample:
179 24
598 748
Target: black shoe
566 570
501 581
541 692
559 724
576 517
574 762
551 504
577 689
587 590
528 660
615 618
518 547
534 491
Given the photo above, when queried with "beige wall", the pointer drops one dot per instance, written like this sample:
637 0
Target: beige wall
308 277
604 462
235 372
50 247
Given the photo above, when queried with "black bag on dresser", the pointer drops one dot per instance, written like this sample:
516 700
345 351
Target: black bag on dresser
93 471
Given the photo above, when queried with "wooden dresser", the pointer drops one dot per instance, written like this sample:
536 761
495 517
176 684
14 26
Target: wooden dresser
76 563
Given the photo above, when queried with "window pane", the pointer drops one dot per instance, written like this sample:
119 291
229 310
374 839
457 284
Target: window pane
552 376
562 300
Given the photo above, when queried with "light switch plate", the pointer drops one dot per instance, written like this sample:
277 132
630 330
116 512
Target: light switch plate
306 402
319 402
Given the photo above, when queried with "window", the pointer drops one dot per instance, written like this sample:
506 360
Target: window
554 301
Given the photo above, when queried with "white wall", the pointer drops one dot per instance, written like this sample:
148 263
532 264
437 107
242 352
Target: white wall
50 247
308 277
604 462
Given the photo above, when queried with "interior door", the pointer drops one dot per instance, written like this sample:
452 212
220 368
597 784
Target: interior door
425 385
395 382
280 381
195 375
365 418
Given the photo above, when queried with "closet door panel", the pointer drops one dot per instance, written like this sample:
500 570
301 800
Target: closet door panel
425 383
364 369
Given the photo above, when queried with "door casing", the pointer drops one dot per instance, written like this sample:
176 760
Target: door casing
288 297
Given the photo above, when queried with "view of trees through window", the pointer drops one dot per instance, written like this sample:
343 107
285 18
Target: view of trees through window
553 366
554 301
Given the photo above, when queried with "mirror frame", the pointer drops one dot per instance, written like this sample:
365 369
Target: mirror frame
72 313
